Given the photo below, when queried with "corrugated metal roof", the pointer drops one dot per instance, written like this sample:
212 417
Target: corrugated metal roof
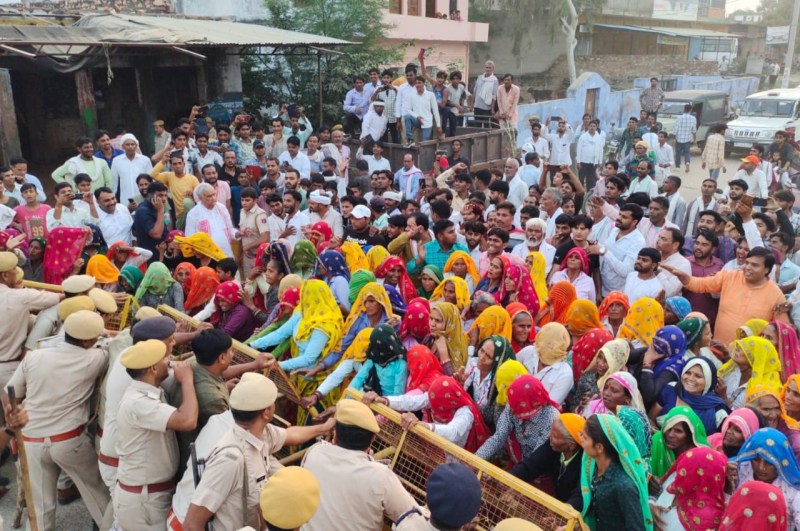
672 32
140 30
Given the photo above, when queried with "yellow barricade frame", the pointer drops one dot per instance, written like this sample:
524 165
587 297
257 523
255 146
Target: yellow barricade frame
242 354
414 453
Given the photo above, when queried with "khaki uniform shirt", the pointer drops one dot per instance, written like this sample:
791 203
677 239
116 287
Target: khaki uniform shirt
57 384
356 492
15 308
221 485
148 451
122 341
256 220
45 325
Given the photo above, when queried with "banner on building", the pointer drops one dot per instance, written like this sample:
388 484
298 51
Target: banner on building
675 9
778 35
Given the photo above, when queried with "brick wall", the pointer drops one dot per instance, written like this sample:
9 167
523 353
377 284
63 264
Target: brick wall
620 70
98 6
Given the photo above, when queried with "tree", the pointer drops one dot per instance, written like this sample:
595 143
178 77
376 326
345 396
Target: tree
561 16
275 79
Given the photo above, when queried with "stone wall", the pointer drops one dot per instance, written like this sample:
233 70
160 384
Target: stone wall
96 6
620 70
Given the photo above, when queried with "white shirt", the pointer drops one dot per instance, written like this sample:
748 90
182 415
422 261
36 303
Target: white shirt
275 225
401 103
559 148
116 227
300 163
374 124
424 105
650 231
590 148
756 183
673 286
584 285
299 220
618 261
636 288
646 185
517 191
695 207
332 218
664 154
124 172
216 222
540 146
374 164
551 221
556 378
16 193
77 217
456 431
522 251
211 157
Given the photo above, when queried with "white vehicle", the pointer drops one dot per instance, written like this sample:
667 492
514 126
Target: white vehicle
761 115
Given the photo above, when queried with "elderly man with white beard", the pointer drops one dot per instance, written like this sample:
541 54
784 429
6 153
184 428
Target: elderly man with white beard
534 241
211 217
127 167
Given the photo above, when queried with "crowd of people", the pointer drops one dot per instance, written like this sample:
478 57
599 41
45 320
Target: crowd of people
630 353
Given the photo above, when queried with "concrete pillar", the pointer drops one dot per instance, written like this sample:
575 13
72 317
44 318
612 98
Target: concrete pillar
224 72
9 134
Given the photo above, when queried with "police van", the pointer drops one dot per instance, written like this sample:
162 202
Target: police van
760 115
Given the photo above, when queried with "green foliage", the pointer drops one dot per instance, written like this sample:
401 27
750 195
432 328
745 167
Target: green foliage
274 79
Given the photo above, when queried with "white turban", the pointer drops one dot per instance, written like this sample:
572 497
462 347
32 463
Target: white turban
320 197
126 137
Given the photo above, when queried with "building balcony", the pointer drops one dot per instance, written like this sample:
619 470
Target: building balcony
408 27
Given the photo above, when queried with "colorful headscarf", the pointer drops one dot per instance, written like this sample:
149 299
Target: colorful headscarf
611 298
493 321
573 424
453 333
661 457
398 302
372 290
228 292
446 396
357 351
304 257
404 283
320 235
433 273
157 281
101 268
171 236
669 342
200 244
184 266
637 425
585 349
788 348
319 310
334 264
582 316
204 284
539 275
582 255
262 254
460 287
644 318
772 446
354 256
527 396
699 488
279 252
417 320
289 301
358 280
756 505
754 394
626 380
616 353
133 276
115 247
376 255
423 368
288 282
507 372
525 293
562 294
472 270
679 306
763 359
743 418
631 462
97 239
752 327
514 309
705 404
384 347
552 343
692 328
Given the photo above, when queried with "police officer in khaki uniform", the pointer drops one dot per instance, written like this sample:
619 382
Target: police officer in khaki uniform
47 321
146 443
357 492
57 384
244 451
289 499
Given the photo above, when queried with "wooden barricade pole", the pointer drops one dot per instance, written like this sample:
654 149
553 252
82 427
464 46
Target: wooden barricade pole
23 465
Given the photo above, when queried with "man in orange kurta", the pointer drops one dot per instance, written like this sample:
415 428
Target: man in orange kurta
744 294
507 102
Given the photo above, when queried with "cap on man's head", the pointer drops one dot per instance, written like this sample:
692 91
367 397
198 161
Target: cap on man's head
78 283
752 159
159 123
355 413
258 143
159 327
377 202
453 494
145 312
143 354
321 197
103 301
74 304
253 394
84 325
8 261
394 196
290 497
360 212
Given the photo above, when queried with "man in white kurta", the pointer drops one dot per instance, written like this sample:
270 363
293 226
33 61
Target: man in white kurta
127 167
212 218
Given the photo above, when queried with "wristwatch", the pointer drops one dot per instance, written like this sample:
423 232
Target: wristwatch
602 250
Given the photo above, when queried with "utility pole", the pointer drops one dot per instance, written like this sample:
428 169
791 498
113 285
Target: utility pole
787 70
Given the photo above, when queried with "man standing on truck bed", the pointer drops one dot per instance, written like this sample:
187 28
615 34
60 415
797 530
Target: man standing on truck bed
652 98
